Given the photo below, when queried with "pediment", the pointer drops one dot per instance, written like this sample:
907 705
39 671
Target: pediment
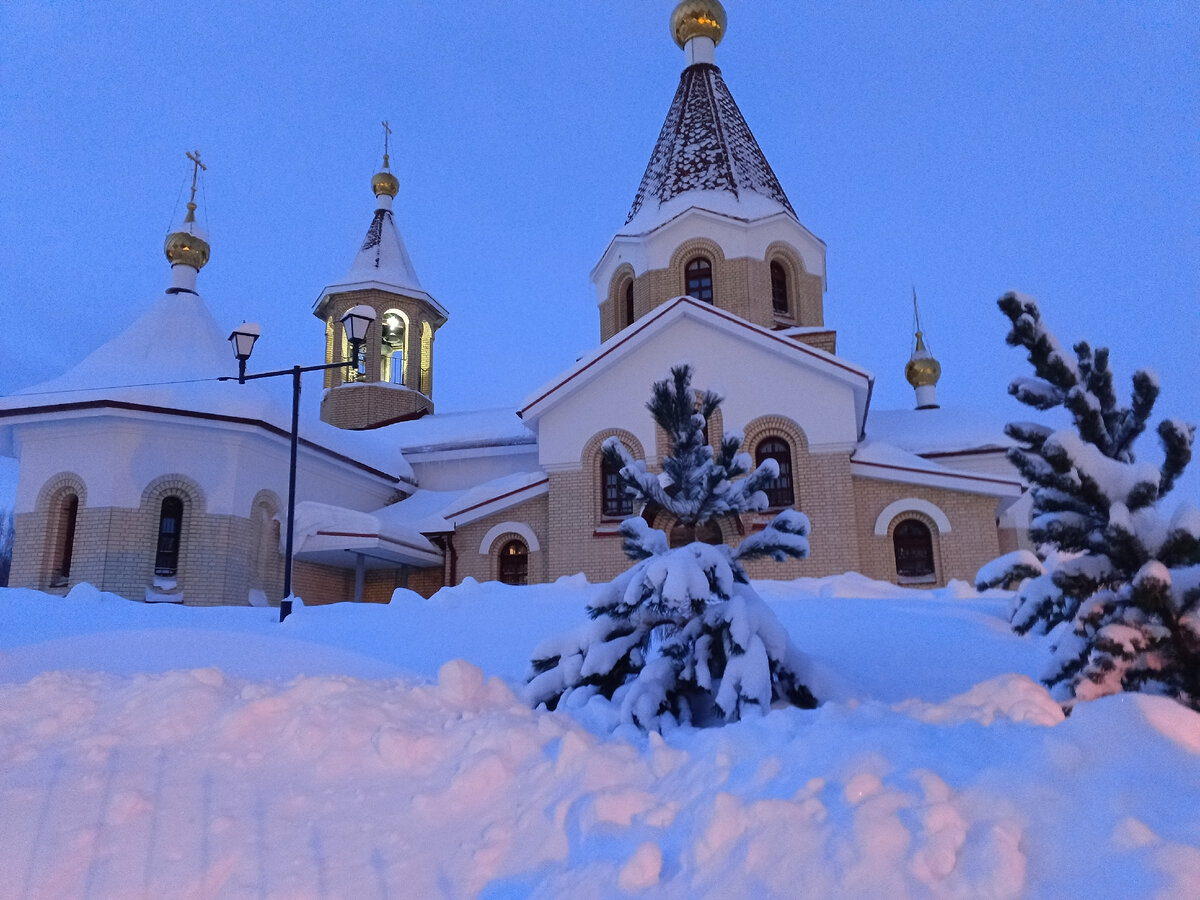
757 371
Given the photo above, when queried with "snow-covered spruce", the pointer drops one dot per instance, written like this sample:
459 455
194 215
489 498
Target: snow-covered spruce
682 636
1124 574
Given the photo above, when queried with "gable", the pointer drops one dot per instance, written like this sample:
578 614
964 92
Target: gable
757 373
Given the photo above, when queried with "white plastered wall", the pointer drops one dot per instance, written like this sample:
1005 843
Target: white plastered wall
118 455
754 382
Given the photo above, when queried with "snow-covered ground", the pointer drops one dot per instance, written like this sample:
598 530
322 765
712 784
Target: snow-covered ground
384 751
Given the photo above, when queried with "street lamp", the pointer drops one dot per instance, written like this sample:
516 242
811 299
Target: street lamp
243 339
355 323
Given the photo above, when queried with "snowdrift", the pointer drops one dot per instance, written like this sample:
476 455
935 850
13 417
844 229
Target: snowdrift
384 751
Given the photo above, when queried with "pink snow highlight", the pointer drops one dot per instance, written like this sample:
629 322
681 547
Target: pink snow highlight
393 766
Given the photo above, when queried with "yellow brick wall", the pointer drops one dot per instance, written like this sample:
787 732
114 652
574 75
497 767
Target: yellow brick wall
484 566
357 406
115 548
971 542
741 286
364 406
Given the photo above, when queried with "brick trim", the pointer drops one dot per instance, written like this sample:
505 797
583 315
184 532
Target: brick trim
590 459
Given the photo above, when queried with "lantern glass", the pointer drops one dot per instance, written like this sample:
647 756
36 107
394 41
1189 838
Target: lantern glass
243 338
356 321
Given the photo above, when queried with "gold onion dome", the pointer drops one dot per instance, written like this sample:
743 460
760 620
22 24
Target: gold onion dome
385 182
186 247
922 369
698 18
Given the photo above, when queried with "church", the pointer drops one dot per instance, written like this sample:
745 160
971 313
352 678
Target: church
176 489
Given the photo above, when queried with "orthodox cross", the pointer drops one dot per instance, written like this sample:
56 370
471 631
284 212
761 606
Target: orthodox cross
194 156
916 316
387 130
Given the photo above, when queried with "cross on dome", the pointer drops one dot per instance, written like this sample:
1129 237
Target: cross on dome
187 249
384 183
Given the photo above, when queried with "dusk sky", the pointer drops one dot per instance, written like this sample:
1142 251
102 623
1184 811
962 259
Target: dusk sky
964 148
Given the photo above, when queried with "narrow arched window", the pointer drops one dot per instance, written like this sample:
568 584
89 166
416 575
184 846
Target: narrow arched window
914 551
614 502
392 352
780 490
779 289
698 274
170 530
629 303
514 563
64 544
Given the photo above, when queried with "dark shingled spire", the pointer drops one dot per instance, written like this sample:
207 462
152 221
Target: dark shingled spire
705 145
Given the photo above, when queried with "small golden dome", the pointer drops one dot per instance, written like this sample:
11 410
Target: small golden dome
922 369
698 18
186 247
385 183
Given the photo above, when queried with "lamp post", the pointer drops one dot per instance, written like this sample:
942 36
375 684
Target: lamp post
355 323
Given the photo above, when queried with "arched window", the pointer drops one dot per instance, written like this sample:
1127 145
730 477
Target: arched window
170 530
393 333
264 546
914 551
64 542
780 491
514 563
779 289
629 303
614 502
698 274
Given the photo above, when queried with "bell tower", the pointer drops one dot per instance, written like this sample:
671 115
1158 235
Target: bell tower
395 377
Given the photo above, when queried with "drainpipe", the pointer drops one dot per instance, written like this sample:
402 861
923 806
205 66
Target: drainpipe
445 540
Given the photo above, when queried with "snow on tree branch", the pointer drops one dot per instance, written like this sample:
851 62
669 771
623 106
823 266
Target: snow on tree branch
1122 586
681 636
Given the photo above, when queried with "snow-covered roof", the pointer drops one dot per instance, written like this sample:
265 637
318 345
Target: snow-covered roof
938 431
382 262
706 148
431 512
169 360
875 459
383 256
460 430
334 535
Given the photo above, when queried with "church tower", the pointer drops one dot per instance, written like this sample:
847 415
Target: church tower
395 378
710 218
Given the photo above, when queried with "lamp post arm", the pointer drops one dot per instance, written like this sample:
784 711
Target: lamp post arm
291 371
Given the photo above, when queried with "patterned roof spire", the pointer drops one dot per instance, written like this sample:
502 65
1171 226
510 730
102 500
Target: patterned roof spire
383 258
705 145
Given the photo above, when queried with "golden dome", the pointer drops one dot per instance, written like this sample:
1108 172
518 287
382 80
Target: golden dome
698 18
186 247
385 183
922 369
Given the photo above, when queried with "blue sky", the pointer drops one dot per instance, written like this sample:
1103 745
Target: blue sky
964 148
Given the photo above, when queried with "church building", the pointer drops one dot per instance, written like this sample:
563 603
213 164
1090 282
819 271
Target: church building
175 490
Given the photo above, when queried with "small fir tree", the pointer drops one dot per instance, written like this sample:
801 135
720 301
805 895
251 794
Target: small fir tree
682 636
1125 583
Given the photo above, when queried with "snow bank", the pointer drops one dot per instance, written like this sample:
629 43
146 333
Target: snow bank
937 772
